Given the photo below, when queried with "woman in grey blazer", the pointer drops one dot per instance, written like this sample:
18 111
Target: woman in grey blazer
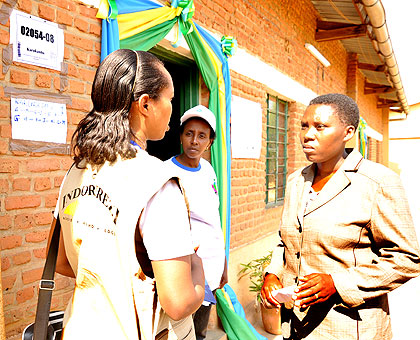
346 234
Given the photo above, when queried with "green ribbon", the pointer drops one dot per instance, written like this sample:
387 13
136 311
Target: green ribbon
362 137
188 8
185 18
113 9
229 45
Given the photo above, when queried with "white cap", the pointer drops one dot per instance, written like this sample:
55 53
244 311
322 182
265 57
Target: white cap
200 111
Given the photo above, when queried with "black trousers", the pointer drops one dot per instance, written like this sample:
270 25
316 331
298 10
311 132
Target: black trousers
201 320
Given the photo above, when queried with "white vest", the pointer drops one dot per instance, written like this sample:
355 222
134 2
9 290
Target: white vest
99 210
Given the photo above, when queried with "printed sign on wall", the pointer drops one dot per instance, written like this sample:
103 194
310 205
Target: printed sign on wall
36 41
246 128
38 120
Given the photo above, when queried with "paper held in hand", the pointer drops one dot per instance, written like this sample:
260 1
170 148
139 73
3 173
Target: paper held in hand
284 295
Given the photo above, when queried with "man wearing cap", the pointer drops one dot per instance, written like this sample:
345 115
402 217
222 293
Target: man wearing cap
197 133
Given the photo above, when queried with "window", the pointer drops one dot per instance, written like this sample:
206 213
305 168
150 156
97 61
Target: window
276 157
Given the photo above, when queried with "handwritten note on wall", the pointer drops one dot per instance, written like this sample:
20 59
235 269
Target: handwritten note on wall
38 120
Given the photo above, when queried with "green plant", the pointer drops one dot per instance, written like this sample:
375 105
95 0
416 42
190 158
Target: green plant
255 270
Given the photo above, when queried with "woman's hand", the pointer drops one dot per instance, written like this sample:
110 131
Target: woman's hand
314 288
271 283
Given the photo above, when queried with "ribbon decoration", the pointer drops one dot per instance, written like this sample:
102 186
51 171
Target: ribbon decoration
229 45
363 137
107 9
185 12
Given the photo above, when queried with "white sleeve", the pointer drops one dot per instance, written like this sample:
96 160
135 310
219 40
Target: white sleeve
165 226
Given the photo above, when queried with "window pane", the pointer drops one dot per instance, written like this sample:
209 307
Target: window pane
271 196
271 166
271 134
282 107
272 105
282 120
271 181
271 119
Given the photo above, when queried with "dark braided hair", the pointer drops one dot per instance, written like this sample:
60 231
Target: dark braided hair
122 78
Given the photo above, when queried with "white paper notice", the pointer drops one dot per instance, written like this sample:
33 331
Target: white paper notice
38 120
246 128
36 41
284 295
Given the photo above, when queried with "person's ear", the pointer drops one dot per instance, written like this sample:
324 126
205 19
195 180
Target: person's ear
210 144
349 133
144 104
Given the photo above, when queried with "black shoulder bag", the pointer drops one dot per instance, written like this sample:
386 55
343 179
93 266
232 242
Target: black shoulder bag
48 325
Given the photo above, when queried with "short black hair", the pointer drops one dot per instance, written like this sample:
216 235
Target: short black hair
345 107
212 132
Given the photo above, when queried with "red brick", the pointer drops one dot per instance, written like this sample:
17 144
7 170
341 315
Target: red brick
40 253
78 41
6 131
5 263
80 104
25 5
20 258
63 17
4 37
19 77
5 222
4 186
8 299
66 163
88 12
64 4
81 56
21 184
25 294
81 25
8 282
72 71
4 110
58 181
94 60
44 218
51 200
98 47
10 242
95 29
21 202
37 236
77 86
31 275
43 183
87 75
42 165
43 80
46 12
9 166
57 84
24 221
4 147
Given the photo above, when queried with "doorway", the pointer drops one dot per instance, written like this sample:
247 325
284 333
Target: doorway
184 74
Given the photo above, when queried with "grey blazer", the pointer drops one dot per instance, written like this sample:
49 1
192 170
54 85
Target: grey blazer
358 229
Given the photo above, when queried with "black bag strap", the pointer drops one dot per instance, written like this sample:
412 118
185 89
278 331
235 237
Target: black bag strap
46 286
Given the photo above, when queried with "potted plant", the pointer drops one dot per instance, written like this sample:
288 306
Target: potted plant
255 270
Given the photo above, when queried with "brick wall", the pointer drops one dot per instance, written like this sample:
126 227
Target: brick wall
29 181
